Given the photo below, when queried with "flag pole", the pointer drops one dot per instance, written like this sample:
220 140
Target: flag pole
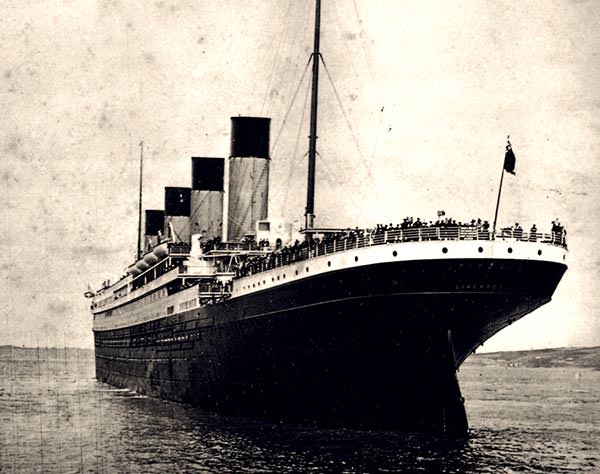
508 164
498 203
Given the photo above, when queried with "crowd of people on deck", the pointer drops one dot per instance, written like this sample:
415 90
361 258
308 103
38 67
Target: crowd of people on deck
409 230
418 229
559 233
210 244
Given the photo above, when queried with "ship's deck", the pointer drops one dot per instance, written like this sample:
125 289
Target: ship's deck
359 238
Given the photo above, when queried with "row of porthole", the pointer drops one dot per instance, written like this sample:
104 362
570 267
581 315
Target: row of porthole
480 250
307 270
264 282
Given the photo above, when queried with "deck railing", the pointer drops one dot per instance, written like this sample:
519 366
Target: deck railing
179 248
368 238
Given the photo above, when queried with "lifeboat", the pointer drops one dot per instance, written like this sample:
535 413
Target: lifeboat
150 258
133 270
141 265
160 251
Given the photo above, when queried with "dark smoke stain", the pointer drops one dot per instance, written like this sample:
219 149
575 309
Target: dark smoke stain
110 4
43 207
14 145
350 36
89 250
149 58
103 121
15 279
172 7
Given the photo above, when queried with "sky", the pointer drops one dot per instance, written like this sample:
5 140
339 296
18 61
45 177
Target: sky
415 106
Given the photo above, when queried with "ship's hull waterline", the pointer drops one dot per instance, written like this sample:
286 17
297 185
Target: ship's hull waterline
373 346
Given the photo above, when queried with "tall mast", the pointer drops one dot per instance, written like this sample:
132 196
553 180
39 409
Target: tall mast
309 215
139 241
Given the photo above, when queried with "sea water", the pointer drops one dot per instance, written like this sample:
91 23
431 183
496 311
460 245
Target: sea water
56 418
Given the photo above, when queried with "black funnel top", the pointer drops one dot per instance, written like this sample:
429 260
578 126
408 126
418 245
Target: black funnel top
250 137
154 221
177 201
207 174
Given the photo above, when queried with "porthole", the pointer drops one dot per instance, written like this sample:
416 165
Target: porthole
509 249
277 277
480 249
328 264
564 257
356 259
264 282
445 250
539 252
307 269
296 272
272 278
284 276
394 253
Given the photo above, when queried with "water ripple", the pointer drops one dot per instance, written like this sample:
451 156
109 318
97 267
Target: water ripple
56 418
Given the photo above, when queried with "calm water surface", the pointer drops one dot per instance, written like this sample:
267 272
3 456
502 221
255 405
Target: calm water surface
54 417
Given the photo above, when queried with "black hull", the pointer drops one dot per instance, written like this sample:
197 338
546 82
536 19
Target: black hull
372 347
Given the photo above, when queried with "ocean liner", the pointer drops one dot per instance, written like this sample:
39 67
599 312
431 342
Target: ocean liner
231 310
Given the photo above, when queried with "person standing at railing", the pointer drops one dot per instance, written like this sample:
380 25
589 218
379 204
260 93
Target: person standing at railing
484 231
518 231
559 233
533 233
556 231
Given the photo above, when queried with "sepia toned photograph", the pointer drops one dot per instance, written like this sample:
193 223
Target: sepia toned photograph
286 236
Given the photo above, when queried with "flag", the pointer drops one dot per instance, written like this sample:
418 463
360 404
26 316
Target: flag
441 213
509 158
